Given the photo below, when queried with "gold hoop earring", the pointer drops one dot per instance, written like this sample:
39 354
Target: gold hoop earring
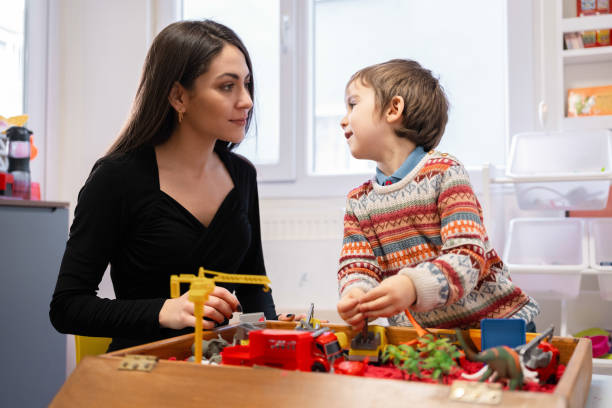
180 116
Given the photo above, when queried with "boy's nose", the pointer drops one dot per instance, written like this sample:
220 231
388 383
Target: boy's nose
344 122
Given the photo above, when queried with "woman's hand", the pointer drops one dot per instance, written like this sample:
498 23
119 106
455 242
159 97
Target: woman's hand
392 296
348 308
178 313
290 317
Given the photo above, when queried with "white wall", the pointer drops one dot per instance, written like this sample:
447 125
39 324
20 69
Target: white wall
96 56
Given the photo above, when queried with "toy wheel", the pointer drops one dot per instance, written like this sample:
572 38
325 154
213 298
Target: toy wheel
317 367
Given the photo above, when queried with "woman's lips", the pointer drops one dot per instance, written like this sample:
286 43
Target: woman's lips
239 122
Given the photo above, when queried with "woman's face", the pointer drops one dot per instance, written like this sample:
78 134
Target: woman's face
219 102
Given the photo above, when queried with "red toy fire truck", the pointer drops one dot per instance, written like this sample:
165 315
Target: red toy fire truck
287 349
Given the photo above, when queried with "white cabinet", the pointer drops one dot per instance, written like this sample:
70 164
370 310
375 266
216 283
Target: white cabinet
560 70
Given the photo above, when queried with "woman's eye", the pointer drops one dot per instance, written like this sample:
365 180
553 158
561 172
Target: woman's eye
227 87
351 105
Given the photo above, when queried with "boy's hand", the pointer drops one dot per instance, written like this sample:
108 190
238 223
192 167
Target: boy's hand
348 308
392 296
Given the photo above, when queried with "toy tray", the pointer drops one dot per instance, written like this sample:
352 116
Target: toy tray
97 381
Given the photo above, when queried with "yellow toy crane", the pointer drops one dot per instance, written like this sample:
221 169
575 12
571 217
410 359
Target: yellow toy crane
200 287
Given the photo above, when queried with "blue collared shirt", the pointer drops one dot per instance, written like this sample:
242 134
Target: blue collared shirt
410 163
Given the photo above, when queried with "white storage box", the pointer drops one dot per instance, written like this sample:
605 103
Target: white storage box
545 256
600 253
569 170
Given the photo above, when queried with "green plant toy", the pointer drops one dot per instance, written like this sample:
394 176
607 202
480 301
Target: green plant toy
429 353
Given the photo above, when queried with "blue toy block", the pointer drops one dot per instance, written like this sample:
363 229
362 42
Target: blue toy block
502 332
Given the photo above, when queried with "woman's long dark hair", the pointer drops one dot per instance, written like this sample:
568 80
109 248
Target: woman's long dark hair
181 52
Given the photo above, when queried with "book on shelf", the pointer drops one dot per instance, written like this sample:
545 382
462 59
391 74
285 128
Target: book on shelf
573 40
592 101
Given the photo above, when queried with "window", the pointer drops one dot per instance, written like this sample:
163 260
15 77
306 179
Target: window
306 53
12 44
461 42
261 144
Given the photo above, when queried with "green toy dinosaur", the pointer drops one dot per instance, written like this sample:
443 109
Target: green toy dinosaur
501 360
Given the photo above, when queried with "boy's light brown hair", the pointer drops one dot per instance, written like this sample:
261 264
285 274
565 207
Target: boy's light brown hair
425 105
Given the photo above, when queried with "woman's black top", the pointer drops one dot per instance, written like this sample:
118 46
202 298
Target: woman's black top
123 218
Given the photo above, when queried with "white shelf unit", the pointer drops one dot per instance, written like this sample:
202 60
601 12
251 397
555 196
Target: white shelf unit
579 68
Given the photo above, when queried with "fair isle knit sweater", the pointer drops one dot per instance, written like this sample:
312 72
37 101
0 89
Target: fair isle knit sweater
429 226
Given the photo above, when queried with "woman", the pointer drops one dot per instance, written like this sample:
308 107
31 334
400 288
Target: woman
169 197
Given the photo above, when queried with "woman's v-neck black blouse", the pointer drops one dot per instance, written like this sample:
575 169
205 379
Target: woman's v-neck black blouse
123 218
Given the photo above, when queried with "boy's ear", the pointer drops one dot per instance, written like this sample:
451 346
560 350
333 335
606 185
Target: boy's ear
178 97
395 109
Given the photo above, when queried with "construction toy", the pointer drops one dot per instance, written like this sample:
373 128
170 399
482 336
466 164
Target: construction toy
199 289
287 349
369 343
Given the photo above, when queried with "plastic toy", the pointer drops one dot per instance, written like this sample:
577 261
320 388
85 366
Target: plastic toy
199 289
420 330
502 332
502 361
6 123
369 343
310 323
540 356
211 349
601 345
346 367
428 353
287 349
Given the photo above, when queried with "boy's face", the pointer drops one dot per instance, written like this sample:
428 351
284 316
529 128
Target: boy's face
362 124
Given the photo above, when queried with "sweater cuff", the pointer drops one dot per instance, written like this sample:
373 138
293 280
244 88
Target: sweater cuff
365 285
427 288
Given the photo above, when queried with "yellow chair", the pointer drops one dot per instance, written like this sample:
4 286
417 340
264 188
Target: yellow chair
90 346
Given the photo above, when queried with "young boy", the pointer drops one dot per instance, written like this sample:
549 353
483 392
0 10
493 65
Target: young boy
414 237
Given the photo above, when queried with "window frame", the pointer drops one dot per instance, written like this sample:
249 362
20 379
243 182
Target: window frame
35 83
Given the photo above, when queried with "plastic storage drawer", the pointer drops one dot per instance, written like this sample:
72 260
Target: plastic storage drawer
569 170
545 256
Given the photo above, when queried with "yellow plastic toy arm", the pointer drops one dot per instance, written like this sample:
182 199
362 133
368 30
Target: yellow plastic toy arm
247 279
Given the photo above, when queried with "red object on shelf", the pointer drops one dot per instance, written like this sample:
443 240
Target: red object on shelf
603 6
586 7
35 191
6 183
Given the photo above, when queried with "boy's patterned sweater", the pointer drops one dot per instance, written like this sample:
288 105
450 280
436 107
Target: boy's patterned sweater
429 226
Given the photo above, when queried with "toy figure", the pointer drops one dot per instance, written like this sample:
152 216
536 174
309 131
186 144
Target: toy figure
310 323
502 361
540 356
211 349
